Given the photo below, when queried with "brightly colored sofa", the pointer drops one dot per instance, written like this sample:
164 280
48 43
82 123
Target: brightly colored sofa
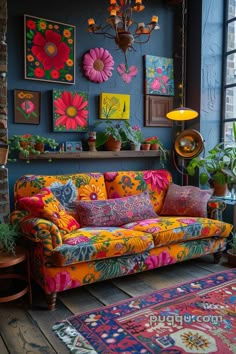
87 227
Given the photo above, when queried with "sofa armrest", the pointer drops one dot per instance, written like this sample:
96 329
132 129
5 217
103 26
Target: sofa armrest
41 230
215 209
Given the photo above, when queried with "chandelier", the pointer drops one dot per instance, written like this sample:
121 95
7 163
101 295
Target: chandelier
122 28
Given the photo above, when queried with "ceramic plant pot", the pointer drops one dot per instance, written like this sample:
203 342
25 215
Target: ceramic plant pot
135 147
154 146
145 146
112 144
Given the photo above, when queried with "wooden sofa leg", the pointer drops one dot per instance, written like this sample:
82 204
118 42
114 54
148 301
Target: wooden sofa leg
51 300
217 257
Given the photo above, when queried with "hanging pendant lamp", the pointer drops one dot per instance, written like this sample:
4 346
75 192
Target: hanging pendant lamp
182 113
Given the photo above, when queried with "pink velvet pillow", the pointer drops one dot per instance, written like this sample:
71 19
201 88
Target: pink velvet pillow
115 212
186 201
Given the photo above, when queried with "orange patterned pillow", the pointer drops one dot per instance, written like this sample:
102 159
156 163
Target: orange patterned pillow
46 205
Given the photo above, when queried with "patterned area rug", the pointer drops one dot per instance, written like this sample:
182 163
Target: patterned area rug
194 317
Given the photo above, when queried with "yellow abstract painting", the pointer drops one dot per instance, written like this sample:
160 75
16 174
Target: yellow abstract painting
114 106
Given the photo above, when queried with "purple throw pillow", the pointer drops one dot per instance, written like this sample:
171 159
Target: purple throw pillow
115 212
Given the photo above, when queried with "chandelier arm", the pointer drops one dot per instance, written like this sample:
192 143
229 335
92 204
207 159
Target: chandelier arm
142 42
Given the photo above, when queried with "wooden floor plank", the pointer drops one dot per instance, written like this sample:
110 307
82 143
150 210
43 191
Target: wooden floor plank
3 349
79 300
20 333
133 285
45 319
107 292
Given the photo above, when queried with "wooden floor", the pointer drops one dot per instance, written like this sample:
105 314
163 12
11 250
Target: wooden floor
25 330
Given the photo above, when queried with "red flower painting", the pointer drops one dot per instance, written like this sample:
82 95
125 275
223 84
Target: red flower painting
49 50
70 111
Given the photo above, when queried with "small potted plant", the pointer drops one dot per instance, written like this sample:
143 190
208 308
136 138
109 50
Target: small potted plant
9 234
135 137
113 135
231 252
154 142
27 144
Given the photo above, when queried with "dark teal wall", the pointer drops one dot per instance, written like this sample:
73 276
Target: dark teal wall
76 13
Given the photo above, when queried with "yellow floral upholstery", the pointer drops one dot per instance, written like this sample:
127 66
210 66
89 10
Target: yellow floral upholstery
67 188
124 183
46 205
167 230
88 244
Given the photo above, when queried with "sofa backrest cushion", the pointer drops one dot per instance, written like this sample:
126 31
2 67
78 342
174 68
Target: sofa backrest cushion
67 188
46 205
124 183
115 212
186 201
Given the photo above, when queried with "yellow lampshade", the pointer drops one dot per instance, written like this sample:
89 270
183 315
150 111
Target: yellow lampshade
182 113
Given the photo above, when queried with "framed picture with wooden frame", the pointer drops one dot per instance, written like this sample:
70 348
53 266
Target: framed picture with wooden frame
156 108
27 107
49 50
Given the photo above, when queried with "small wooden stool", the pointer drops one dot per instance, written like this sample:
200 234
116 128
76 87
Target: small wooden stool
9 260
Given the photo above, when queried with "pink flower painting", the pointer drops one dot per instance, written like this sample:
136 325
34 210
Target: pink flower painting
98 65
159 76
70 111
49 50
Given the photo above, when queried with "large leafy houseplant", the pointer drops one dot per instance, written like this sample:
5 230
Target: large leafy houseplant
218 165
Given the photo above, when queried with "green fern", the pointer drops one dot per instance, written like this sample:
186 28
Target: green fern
8 236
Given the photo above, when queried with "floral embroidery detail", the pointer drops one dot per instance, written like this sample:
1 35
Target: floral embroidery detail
158 180
98 65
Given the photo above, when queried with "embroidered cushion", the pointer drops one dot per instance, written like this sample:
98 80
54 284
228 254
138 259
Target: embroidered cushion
124 183
115 212
186 201
46 205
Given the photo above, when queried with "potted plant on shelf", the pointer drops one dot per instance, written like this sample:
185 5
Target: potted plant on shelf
135 137
231 252
154 142
218 167
27 144
150 141
114 135
9 234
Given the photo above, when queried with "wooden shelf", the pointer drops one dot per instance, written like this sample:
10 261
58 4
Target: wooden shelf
91 155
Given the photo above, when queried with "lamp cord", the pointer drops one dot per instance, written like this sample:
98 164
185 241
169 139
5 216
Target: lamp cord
183 55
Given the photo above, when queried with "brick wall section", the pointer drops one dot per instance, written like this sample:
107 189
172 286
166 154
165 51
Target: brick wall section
4 186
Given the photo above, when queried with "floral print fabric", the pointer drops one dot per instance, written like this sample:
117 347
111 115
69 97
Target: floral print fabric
168 230
97 243
124 183
67 188
115 212
45 205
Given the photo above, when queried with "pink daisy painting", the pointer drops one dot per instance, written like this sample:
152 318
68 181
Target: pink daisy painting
70 111
49 50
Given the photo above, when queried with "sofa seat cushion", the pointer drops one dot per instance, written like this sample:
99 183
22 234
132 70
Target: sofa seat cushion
124 183
92 243
167 230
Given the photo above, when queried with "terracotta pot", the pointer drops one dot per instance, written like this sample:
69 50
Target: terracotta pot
39 147
112 144
231 257
145 146
154 146
220 190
